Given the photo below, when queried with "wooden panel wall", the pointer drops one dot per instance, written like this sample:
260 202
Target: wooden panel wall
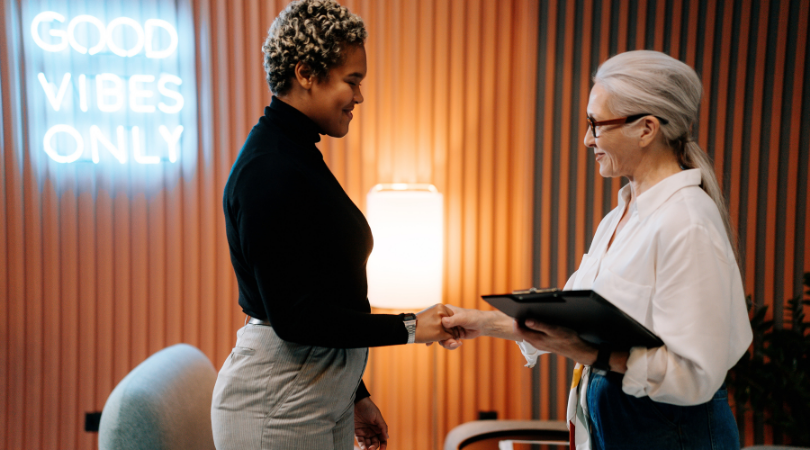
93 281
755 123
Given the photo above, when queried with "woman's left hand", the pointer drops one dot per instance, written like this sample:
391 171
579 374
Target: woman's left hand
370 428
560 340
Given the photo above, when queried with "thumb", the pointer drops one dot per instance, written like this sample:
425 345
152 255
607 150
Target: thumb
450 321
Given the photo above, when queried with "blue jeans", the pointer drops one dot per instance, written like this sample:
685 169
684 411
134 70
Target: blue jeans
621 421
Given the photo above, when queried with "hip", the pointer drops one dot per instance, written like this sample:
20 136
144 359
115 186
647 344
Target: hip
619 420
268 375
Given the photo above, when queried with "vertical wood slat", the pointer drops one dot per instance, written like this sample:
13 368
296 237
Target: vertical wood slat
799 92
12 271
750 57
4 255
773 283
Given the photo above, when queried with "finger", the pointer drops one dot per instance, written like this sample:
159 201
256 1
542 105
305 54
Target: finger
523 332
552 330
383 429
379 421
443 310
428 344
444 334
450 344
453 331
457 320
533 324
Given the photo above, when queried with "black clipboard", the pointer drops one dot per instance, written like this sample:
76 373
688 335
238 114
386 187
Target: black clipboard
594 318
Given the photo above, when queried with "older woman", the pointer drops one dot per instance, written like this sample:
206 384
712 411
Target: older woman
299 248
665 256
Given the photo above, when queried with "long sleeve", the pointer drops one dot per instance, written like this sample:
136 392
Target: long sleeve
361 392
307 261
672 269
696 305
298 243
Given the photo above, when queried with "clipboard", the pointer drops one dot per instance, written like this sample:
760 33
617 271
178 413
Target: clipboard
594 318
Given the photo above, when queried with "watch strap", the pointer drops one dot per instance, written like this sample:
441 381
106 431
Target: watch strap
602 360
410 324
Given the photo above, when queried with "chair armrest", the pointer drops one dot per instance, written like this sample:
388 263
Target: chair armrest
478 430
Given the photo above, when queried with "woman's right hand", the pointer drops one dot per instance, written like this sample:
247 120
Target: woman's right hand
471 323
429 326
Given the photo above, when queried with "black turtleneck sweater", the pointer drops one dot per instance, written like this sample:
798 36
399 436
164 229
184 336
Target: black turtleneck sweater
298 244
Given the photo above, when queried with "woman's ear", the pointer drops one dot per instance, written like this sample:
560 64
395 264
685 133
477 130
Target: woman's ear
303 75
650 130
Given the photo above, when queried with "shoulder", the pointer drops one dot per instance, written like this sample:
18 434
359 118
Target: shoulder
263 168
690 215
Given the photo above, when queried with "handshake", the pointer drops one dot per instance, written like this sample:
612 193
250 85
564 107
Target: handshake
448 325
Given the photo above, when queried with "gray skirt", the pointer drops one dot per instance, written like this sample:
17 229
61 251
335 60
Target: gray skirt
276 395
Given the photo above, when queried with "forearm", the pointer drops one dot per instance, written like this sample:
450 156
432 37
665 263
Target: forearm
499 325
334 327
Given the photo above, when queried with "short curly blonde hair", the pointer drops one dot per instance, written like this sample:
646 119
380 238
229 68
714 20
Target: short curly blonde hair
313 32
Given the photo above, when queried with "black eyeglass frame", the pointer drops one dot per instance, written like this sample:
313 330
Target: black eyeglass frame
619 121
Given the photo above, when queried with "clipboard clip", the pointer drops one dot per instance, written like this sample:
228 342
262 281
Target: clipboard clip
534 291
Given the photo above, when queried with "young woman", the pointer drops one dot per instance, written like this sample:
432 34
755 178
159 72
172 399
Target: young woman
299 248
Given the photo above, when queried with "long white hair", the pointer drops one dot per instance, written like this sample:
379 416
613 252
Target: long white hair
645 81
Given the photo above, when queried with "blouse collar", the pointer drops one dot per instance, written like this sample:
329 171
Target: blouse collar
652 198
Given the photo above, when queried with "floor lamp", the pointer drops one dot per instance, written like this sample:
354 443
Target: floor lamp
406 267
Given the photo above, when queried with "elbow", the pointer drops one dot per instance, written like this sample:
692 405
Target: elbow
697 391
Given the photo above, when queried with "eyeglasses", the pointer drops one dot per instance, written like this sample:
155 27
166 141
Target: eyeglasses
620 121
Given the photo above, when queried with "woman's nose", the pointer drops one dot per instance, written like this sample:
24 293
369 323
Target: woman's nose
589 139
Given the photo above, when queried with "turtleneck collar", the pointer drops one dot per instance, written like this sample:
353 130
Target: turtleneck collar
295 123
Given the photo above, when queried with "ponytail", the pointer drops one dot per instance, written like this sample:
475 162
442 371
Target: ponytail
693 157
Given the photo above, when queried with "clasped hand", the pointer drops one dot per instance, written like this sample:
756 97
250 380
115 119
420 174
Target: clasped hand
429 326
471 323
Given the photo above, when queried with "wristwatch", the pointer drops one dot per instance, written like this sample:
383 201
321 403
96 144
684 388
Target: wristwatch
410 324
602 362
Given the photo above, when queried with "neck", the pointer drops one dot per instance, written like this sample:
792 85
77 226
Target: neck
657 164
299 98
293 100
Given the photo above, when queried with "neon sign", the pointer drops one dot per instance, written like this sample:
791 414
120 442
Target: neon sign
107 91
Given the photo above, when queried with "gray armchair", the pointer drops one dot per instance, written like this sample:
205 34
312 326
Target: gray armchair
163 404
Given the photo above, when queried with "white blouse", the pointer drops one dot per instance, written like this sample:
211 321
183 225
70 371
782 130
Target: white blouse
673 270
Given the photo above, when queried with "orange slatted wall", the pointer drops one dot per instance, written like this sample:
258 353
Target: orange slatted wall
484 99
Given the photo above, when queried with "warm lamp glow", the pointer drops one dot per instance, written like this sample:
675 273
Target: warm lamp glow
406 266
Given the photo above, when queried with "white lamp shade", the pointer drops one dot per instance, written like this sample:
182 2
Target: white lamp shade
406 266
